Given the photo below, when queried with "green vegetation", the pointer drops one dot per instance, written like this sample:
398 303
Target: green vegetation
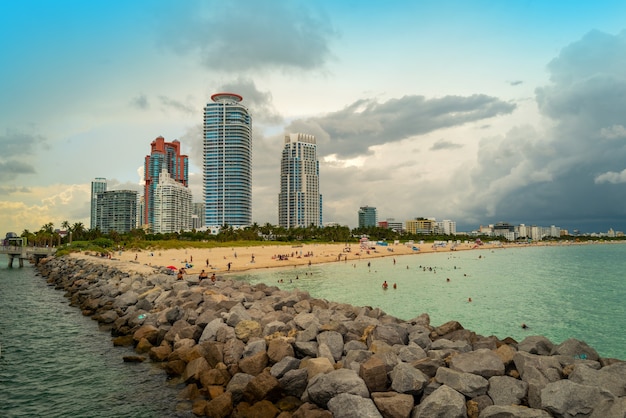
78 238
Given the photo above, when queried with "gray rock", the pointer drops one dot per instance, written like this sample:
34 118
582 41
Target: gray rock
536 344
407 379
279 369
294 382
512 411
390 334
548 366
334 341
354 345
576 349
411 352
237 385
611 378
210 331
610 408
125 300
346 405
308 334
460 346
324 387
505 390
568 399
306 349
253 347
468 384
482 362
305 320
443 402
354 358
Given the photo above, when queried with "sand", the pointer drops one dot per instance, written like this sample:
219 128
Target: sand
216 260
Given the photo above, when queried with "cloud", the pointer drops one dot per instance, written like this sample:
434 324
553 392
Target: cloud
11 169
251 35
516 82
549 174
8 190
259 103
19 144
140 102
352 131
613 132
443 144
611 177
177 105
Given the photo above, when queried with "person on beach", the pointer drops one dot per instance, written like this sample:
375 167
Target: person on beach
213 278
385 285
203 275
229 263
180 274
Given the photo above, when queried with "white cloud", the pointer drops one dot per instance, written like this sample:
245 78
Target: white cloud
611 177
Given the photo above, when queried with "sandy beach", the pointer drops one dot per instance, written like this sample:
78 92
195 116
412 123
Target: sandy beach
235 259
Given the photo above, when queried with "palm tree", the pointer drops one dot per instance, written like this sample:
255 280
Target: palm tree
66 225
78 229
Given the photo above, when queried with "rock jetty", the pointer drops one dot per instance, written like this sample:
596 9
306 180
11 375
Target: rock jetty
258 351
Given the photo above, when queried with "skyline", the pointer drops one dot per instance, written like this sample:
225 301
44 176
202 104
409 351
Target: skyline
475 111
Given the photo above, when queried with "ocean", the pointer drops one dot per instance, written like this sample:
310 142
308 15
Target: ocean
54 362
561 292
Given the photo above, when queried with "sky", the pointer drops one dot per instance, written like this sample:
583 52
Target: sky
473 111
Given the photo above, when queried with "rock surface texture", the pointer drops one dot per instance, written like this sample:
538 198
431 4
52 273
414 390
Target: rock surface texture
239 350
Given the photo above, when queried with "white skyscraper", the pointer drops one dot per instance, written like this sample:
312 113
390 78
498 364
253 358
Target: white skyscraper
299 200
172 205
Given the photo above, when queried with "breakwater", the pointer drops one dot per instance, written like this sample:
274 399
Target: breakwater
254 350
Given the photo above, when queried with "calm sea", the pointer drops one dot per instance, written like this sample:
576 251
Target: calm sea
561 292
54 362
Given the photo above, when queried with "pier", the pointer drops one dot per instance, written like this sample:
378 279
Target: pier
26 253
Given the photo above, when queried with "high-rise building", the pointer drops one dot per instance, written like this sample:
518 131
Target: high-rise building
163 155
116 210
197 215
227 165
172 205
299 200
98 185
367 216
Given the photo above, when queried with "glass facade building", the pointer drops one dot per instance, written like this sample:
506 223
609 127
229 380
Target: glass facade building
367 216
116 210
227 166
299 200
163 155
98 185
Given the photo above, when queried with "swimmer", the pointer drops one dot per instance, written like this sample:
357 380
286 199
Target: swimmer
524 326
395 286
469 299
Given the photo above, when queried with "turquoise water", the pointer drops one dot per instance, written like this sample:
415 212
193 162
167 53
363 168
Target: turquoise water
54 362
561 292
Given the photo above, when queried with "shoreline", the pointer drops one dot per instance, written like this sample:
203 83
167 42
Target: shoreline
217 259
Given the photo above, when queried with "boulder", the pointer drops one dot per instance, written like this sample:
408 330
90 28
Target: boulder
374 374
512 411
393 404
287 363
536 344
482 362
246 329
220 407
407 379
237 385
575 349
443 402
294 382
334 341
565 398
505 390
254 364
323 387
347 405
611 378
468 384
262 387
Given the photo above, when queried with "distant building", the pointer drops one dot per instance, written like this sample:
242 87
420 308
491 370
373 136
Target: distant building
116 210
172 205
299 200
421 226
98 185
197 216
391 223
367 216
163 155
227 168
447 227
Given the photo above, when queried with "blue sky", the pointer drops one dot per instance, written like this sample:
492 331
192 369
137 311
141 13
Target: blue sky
476 111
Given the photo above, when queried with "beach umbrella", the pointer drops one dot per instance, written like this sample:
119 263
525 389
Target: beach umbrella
172 267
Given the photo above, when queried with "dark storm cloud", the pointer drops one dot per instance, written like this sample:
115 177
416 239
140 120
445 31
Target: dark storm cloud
250 35
570 175
365 123
15 144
